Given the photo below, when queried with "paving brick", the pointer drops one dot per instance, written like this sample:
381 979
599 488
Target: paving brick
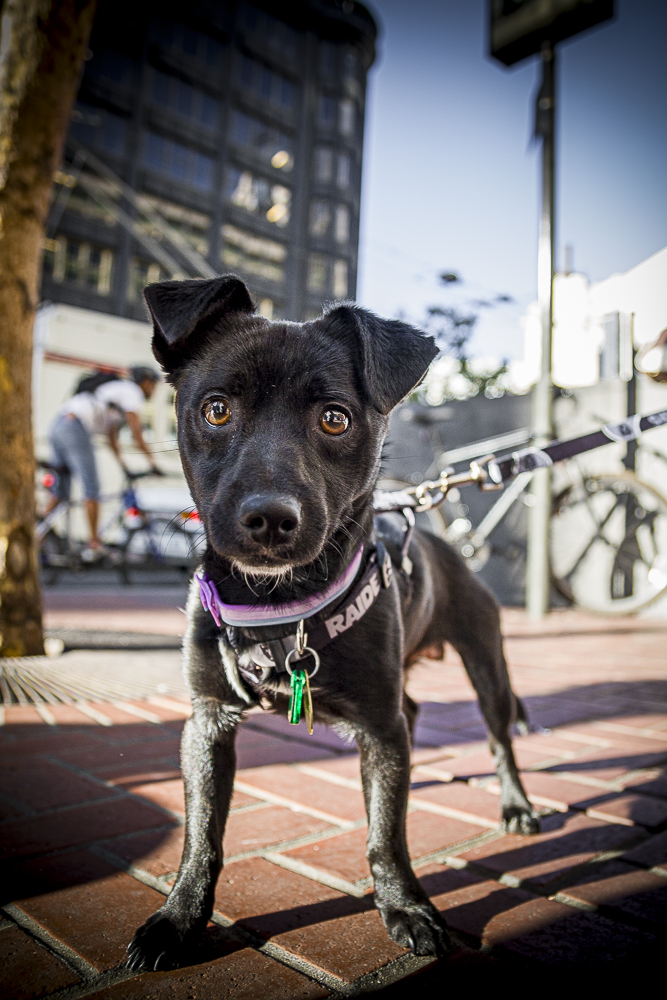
345 854
89 905
586 940
49 741
479 765
476 906
9 810
94 756
346 804
78 825
567 840
608 765
615 883
652 782
157 852
43 785
633 743
22 715
652 853
124 775
243 975
632 809
273 750
277 724
166 794
344 767
341 934
546 789
474 804
28 971
256 829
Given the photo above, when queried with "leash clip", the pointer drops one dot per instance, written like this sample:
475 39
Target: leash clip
486 473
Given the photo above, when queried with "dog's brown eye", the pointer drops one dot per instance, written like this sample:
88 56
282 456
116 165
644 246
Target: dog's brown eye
334 422
217 412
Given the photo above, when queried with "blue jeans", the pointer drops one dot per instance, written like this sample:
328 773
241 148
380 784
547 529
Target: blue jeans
72 451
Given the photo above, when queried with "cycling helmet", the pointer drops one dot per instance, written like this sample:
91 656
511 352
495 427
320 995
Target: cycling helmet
139 374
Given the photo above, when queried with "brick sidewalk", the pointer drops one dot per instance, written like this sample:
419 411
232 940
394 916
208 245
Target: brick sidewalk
92 812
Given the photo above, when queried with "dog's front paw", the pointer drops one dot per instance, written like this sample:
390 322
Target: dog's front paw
418 927
520 819
158 944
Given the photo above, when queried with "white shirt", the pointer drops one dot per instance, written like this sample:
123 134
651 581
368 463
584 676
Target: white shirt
104 409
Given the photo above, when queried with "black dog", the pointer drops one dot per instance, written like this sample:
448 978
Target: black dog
280 428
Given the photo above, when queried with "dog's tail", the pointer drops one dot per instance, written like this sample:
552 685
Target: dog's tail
521 717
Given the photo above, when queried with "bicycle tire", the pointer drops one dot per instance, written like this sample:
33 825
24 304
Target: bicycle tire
158 544
609 544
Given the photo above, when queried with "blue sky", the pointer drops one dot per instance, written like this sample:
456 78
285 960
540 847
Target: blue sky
451 176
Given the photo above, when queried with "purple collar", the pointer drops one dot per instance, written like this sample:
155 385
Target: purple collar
255 615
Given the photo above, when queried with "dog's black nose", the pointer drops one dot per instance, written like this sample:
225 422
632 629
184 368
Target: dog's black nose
270 519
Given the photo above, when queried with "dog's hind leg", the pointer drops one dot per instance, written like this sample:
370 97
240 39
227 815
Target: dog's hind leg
409 916
476 636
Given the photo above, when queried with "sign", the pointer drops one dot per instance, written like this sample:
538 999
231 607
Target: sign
519 27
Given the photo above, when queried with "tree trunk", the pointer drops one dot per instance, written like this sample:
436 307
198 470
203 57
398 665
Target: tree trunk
42 48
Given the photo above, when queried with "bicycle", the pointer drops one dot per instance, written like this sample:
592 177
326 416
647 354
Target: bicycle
134 538
608 532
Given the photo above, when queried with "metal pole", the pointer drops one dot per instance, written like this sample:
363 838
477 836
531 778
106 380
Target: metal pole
537 568
630 460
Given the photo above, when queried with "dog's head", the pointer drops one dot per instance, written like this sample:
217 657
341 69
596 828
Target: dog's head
280 424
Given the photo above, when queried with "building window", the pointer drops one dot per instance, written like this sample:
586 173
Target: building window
98 129
269 144
344 171
342 224
186 41
328 60
183 100
194 226
178 162
340 279
112 66
320 218
262 82
76 263
142 273
81 199
253 254
318 267
268 32
326 111
259 196
324 164
351 65
346 117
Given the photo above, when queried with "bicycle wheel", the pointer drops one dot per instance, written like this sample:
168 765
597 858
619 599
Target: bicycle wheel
609 544
160 543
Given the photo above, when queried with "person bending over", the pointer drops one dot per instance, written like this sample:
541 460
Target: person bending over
101 405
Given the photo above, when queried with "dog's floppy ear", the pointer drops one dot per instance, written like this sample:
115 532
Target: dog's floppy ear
181 308
393 357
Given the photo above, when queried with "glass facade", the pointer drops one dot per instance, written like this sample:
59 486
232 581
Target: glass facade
223 137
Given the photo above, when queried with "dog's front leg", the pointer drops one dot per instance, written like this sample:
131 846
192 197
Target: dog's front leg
209 762
409 916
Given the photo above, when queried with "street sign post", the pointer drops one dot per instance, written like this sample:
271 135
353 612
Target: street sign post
519 29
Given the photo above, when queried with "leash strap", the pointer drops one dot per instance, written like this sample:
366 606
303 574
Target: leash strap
529 459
